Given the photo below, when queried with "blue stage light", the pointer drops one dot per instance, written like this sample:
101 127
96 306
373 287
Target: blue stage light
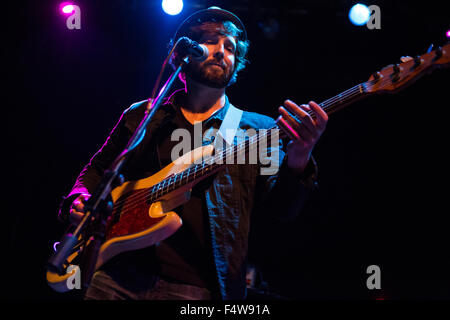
172 7
359 14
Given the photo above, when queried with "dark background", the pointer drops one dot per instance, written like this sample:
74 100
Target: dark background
382 161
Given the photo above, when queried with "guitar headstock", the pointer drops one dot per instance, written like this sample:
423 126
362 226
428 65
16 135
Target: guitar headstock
395 77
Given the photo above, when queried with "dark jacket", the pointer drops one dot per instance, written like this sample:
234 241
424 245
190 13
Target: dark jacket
230 198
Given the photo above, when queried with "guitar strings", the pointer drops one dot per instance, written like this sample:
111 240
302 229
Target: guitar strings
212 162
195 169
136 198
139 195
161 186
207 163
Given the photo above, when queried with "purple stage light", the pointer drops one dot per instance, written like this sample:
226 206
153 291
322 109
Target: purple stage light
67 7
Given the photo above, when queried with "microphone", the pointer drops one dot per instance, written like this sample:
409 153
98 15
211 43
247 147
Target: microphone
190 47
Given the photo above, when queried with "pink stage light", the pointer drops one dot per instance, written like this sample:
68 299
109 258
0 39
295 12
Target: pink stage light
67 8
448 33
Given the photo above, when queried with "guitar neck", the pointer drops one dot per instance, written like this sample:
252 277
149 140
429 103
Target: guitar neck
344 99
241 150
388 80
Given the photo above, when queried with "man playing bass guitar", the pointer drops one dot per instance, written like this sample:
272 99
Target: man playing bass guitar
206 257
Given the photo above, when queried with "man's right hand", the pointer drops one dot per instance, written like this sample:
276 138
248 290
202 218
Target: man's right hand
76 212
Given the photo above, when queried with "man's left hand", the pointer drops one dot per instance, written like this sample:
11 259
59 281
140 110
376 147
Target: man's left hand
304 131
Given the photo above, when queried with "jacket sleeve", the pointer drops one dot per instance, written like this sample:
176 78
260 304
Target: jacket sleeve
92 173
284 194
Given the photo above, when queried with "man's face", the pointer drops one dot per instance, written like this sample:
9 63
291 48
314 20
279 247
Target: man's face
217 70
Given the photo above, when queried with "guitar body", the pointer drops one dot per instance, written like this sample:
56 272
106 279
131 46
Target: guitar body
59 282
145 223
134 222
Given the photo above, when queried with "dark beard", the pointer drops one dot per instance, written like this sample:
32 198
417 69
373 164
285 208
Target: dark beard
208 75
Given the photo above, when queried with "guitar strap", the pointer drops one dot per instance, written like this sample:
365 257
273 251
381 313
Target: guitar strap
229 125
227 130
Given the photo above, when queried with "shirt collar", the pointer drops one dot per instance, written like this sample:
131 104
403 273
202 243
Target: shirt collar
219 114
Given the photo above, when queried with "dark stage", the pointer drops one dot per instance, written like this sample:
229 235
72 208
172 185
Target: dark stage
382 161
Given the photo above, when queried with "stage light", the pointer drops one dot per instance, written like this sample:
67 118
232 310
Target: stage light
73 14
448 33
359 14
67 8
172 7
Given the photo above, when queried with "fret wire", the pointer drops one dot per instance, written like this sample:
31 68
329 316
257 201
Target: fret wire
344 94
348 94
339 99
155 193
160 186
152 194
168 184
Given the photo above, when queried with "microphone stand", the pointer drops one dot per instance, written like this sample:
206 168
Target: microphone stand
97 209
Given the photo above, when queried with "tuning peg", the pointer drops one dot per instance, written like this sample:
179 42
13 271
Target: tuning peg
396 68
417 61
405 58
376 76
396 71
438 52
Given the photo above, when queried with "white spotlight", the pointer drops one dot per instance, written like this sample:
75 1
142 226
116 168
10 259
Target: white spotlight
172 7
359 14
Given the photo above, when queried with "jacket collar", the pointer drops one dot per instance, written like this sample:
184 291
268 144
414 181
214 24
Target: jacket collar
219 114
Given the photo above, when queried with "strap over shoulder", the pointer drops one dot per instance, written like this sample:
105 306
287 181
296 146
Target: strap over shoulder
230 124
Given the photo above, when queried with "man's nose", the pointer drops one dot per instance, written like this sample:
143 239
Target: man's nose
219 52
